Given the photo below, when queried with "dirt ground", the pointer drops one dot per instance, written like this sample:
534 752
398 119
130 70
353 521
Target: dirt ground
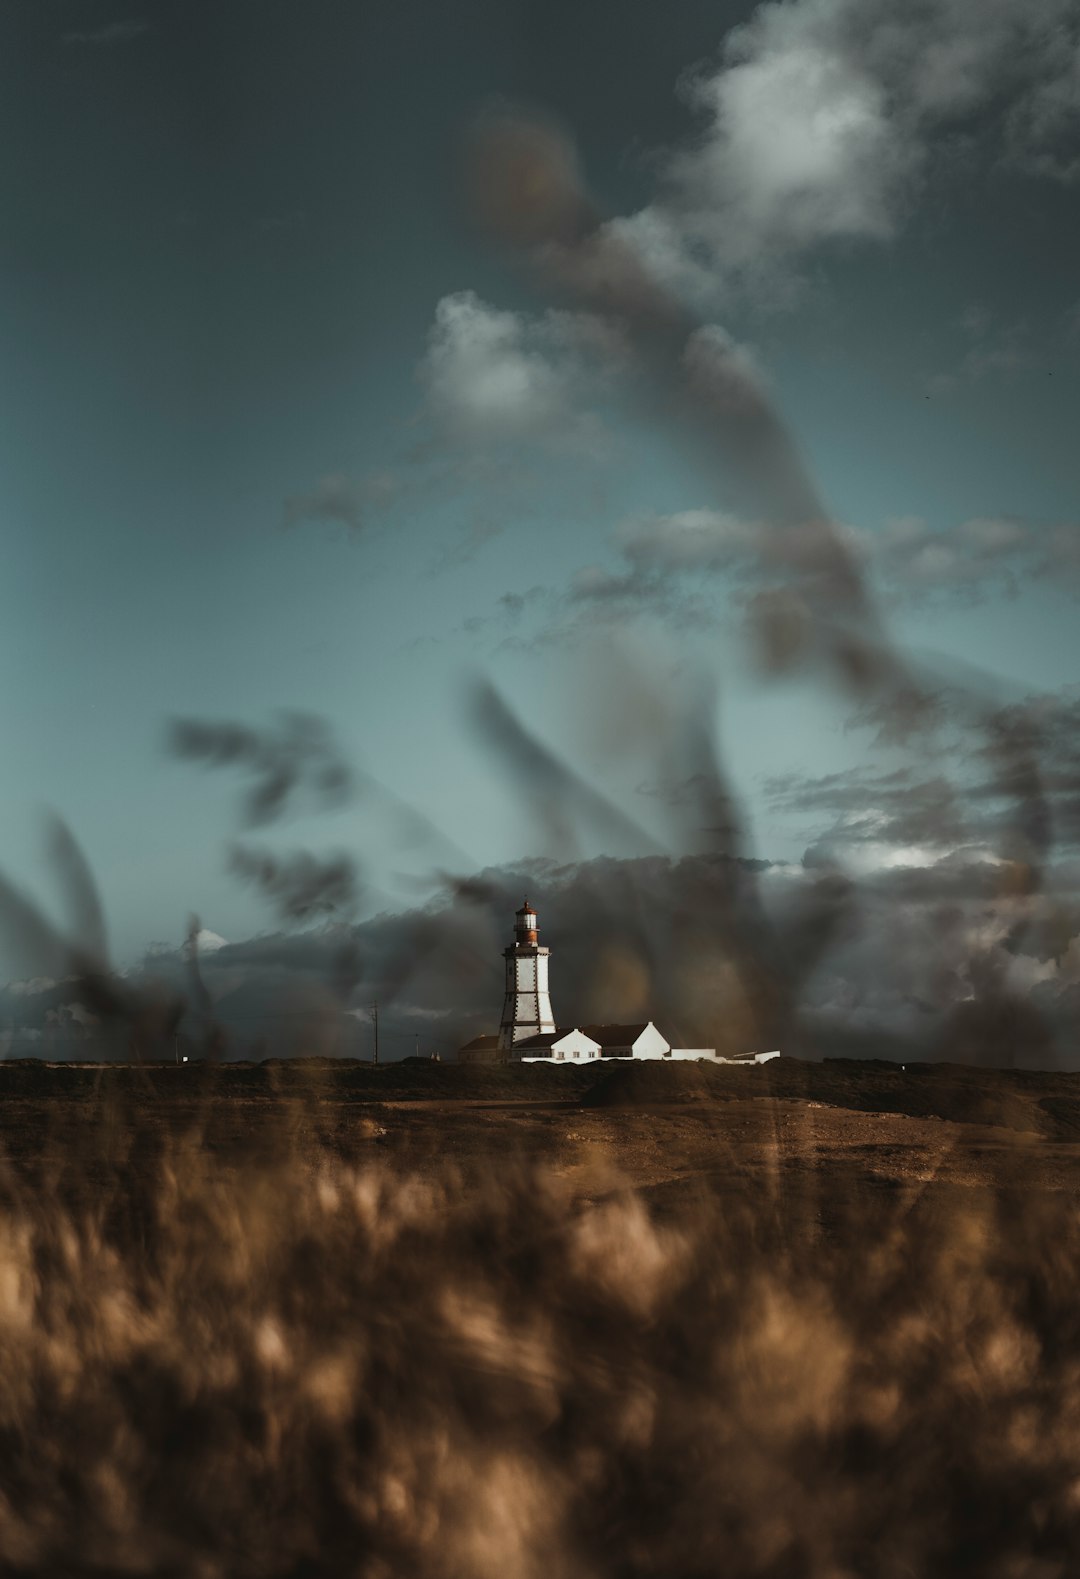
856 1134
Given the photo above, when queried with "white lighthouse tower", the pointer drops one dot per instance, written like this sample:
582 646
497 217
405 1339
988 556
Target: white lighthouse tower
526 1004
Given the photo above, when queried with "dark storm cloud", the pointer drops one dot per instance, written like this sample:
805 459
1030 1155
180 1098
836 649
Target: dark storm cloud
1007 779
962 876
629 938
1039 735
941 967
906 713
300 886
894 808
722 950
296 757
686 936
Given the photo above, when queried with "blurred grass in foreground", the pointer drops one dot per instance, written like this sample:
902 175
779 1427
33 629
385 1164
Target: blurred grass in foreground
298 1363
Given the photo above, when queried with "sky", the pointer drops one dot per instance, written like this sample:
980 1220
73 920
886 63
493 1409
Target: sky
359 358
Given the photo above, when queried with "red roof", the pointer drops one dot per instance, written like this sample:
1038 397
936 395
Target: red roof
616 1035
545 1038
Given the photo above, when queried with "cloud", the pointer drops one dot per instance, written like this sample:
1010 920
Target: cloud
503 392
821 118
950 904
993 351
690 569
699 384
341 500
108 36
976 558
705 944
1033 750
492 375
892 811
1005 787
674 566
665 562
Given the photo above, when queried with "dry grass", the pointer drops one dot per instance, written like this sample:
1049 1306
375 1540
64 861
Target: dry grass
563 1344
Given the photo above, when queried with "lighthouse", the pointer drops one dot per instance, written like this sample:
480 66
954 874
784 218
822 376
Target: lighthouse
526 1004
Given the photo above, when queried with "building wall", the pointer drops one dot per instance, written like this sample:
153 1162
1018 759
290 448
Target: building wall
710 1054
480 1055
526 1004
575 1044
574 1047
650 1044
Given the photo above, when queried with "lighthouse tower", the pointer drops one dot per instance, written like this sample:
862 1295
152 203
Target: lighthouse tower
526 1004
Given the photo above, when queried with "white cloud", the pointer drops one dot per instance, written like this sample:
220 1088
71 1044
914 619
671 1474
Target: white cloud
490 374
976 557
822 116
800 145
208 942
689 540
30 986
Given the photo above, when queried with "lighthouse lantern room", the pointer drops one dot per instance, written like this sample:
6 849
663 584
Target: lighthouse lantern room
526 1003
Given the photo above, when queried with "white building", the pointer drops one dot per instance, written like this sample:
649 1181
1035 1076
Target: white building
557 1045
526 1001
630 1041
642 1040
527 1031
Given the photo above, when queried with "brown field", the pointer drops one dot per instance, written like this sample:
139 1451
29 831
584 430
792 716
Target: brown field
819 1133
310 1319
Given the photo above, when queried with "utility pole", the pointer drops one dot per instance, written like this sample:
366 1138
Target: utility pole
375 1022
418 1045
